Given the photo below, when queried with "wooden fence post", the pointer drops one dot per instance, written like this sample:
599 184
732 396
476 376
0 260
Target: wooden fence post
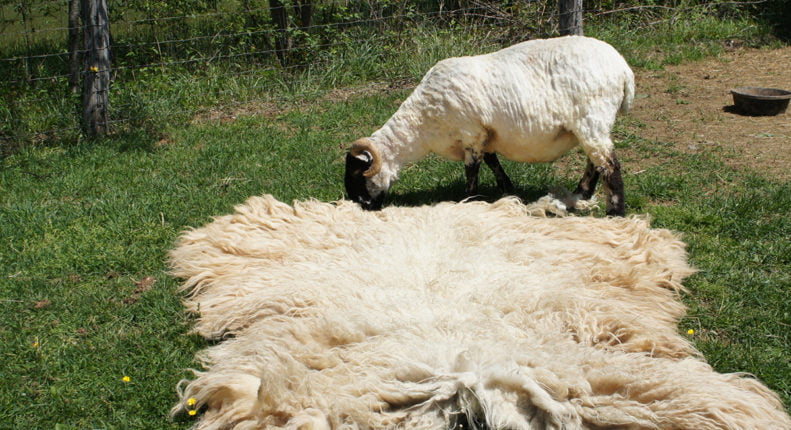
74 45
23 9
570 17
96 81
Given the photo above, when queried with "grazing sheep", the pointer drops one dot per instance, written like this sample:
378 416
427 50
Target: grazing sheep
532 102
434 317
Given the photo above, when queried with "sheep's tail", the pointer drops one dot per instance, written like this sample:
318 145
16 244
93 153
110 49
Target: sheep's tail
628 92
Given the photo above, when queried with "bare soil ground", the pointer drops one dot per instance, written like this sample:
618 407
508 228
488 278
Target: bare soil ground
690 106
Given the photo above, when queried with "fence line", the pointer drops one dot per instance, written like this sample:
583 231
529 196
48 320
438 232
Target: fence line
35 75
221 14
267 31
246 33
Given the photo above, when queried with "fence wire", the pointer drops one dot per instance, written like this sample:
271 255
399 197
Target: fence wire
244 45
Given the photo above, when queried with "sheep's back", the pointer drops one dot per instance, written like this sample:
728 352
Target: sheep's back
559 75
530 99
531 102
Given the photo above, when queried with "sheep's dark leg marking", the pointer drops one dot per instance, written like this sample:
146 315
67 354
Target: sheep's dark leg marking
588 181
471 171
613 185
499 174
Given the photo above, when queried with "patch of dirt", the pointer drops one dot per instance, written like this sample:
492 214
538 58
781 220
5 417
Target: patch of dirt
141 287
229 113
41 304
343 94
690 106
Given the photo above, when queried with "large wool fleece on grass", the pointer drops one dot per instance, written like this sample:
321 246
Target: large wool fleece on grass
459 314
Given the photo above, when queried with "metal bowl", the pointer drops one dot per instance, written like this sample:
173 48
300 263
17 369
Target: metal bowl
760 101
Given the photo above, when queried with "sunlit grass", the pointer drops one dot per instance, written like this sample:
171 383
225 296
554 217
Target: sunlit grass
85 297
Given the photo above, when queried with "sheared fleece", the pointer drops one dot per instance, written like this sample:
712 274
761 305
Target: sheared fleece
430 317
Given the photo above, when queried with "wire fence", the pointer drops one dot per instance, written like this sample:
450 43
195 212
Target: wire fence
172 65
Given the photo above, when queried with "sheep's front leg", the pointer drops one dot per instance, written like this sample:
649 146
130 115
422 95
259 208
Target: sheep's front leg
503 182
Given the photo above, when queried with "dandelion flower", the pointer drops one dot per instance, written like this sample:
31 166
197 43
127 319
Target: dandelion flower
192 412
34 344
690 332
126 379
191 401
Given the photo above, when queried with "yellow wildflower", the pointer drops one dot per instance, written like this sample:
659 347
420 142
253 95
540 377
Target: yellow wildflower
94 69
126 379
191 401
690 332
192 412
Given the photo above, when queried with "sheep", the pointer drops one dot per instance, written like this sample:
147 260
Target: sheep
531 102
327 316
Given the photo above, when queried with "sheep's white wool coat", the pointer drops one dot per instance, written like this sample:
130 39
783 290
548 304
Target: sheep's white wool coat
332 317
530 102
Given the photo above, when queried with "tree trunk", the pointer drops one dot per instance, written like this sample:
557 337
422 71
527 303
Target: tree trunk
304 13
277 11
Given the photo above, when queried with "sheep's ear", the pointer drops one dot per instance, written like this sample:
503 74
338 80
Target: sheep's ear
365 157
364 151
357 163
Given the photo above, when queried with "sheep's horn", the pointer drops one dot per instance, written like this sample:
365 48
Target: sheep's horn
364 144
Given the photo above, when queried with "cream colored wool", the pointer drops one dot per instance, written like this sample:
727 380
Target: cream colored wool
333 317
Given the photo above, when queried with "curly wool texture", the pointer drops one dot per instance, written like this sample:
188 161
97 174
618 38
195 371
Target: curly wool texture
333 317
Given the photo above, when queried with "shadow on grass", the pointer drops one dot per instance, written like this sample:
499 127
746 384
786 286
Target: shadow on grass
454 192
127 141
733 109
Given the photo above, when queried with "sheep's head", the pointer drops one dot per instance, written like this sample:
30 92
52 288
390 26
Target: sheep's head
362 163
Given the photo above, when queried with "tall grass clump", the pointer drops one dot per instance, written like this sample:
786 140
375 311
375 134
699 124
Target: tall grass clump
654 40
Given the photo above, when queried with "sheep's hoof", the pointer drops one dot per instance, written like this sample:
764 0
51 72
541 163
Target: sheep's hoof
474 198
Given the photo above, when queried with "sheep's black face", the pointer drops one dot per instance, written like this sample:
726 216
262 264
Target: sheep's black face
357 184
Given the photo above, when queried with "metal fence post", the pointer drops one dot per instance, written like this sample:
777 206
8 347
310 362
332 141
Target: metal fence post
96 74
570 17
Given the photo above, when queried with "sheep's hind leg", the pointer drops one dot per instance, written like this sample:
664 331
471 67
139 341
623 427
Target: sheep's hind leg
587 183
471 168
613 185
593 134
503 182
602 160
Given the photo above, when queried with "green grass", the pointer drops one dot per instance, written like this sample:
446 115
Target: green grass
672 41
85 225
85 297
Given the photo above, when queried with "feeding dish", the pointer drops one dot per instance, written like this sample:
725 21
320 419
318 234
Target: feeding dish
760 101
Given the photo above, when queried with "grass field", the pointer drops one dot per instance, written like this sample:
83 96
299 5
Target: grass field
92 334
